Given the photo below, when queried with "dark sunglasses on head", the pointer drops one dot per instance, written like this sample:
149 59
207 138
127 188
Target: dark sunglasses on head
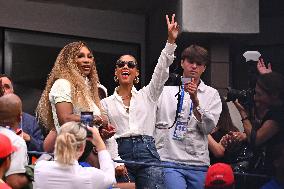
121 64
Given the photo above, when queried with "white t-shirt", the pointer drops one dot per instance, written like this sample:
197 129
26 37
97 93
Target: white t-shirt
61 92
51 174
19 158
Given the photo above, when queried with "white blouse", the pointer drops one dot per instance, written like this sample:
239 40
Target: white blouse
140 118
51 174
61 92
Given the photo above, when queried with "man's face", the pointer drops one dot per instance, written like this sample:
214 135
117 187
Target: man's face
192 69
7 84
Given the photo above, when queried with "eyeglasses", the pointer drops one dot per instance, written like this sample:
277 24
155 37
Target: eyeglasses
130 64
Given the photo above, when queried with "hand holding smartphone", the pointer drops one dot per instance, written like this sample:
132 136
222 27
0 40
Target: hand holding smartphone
185 80
87 121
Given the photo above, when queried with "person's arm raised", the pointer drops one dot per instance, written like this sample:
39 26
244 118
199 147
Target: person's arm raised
173 29
261 67
161 71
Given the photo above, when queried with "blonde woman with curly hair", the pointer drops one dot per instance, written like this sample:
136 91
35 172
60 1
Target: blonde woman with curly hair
65 171
71 88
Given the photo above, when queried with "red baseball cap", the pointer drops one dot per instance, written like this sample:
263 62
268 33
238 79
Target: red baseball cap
6 147
219 174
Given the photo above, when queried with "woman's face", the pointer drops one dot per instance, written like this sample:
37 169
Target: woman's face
126 69
261 98
84 61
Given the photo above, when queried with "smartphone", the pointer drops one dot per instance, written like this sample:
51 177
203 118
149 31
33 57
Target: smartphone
185 80
87 119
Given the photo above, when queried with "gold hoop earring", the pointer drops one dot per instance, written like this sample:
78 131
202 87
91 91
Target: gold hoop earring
115 79
136 80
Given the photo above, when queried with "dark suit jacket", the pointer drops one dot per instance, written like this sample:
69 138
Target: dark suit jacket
31 127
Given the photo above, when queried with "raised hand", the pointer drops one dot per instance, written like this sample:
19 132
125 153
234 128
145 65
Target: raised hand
262 69
173 29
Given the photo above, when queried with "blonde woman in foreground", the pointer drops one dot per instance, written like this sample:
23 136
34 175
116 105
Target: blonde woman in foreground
65 172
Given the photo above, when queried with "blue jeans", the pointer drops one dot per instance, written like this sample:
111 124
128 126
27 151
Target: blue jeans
185 178
141 149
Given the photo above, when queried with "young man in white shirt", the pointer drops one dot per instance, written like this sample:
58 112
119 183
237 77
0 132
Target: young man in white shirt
183 122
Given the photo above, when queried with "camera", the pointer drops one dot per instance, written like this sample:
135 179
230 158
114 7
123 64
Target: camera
245 97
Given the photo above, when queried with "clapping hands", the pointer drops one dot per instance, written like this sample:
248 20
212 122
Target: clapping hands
231 139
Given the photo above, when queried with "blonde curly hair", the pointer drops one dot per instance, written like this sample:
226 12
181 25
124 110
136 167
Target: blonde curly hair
65 67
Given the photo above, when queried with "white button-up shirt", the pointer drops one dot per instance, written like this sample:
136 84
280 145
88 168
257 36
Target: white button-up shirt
51 174
193 149
140 119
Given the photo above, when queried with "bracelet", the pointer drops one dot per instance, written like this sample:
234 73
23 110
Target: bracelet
245 118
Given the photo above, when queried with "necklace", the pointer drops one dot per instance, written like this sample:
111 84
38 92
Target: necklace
125 97
127 109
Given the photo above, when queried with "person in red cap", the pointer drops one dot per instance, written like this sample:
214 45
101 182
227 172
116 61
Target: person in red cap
220 176
6 149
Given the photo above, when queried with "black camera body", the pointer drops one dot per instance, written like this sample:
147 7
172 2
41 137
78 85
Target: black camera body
245 97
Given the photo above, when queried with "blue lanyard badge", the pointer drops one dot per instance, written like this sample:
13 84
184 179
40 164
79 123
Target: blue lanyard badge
180 130
181 126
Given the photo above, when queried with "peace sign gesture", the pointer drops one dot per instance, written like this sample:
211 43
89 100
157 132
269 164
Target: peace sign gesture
173 29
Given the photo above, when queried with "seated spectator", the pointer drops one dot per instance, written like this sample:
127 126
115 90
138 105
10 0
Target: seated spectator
220 176
10 116
28 128
65 171
6 150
